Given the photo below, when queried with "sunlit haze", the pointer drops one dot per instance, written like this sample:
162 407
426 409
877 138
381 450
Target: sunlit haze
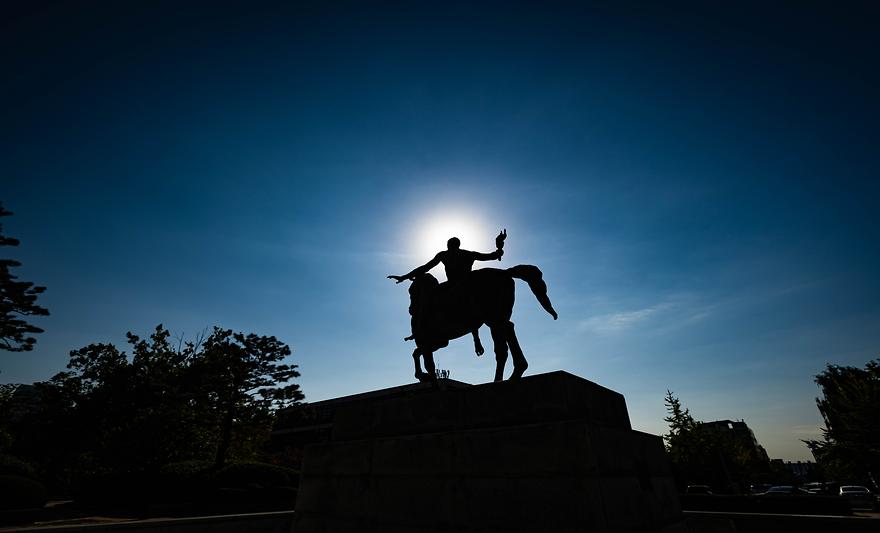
435 229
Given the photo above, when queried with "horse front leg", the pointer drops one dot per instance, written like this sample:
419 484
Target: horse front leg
519 359
430 369
478 346
431 372
420 375
499 339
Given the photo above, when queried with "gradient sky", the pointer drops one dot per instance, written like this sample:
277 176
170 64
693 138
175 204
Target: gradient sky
698 183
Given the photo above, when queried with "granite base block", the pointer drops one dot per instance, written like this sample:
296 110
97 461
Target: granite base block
551 452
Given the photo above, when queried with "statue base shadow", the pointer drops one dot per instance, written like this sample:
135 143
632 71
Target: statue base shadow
550 452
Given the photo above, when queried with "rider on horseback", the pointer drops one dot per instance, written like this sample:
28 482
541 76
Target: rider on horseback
458 264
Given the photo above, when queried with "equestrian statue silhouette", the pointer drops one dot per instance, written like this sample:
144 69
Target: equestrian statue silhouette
445 311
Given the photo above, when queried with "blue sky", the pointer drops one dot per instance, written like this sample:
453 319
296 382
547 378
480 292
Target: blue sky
698 184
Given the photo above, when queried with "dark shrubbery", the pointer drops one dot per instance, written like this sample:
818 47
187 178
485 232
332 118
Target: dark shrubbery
253 475
186 481
187 472
19 485
186 469
104 486
255 486
234 488
14 466
18 492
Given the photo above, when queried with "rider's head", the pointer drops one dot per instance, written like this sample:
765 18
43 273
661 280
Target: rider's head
453 243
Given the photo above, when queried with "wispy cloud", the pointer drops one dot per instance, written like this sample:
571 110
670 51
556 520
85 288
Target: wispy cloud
618 322
674 312
807 431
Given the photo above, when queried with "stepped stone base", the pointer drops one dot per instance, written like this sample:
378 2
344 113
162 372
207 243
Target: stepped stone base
551 452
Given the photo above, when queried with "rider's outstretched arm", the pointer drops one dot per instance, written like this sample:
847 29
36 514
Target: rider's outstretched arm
489 257
424 268
418 271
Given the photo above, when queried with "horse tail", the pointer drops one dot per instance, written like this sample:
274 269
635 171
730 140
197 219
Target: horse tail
533 276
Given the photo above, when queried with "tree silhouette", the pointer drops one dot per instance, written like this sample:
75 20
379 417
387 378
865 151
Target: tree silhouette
245 378
211 399
683 436
701 454
850 407
687 444
17 300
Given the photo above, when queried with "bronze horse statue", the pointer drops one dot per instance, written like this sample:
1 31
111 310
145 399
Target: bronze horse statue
486 296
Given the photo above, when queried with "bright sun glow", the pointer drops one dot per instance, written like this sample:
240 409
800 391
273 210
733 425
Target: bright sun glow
431 236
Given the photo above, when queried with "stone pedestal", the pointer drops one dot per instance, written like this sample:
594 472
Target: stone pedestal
551 452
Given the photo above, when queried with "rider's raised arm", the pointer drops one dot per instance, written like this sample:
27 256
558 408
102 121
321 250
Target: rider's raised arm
489 257
424 268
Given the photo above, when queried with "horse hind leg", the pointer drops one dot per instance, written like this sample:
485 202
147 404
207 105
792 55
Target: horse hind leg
499 339
420 375
430 369
519 359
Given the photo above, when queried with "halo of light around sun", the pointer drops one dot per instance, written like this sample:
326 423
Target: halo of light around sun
431 235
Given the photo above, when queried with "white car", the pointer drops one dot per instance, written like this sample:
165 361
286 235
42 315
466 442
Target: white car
859 496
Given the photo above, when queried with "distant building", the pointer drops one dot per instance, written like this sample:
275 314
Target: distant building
739 432
802 470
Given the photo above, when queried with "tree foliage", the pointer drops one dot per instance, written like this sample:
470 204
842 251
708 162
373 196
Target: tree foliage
850 407
243 374
17 302
700 454
210 399
684 442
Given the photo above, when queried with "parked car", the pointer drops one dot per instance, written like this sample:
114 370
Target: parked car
759 488
816 487
859 497
698 489
785 489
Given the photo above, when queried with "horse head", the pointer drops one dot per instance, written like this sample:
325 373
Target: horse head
420 290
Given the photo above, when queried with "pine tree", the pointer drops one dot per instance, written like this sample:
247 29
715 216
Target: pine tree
683 430
17 301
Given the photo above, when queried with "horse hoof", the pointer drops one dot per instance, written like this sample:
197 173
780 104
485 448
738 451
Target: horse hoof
518 373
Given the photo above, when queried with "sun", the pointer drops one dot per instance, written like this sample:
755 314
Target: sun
430 237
